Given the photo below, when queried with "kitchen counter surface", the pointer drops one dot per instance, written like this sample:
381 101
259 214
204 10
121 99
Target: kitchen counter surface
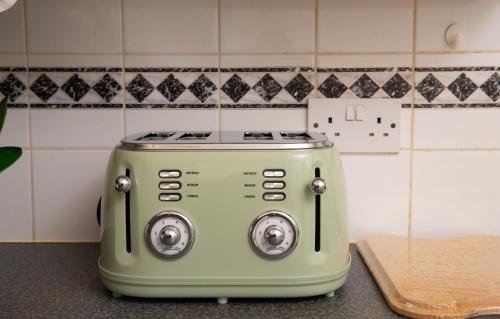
61 281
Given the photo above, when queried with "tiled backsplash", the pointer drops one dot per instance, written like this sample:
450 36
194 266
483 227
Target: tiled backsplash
82 74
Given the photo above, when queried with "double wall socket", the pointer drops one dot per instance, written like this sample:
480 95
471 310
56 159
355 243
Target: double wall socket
357 125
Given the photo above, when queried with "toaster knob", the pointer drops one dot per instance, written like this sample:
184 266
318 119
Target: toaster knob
274 235
122 184
170 235
318 186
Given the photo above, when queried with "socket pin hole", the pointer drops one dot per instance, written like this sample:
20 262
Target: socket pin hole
330 120
379 120
324 134
393 125
386 134
315 125
371 134
337 134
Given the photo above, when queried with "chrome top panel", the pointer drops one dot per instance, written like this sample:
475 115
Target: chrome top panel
224 140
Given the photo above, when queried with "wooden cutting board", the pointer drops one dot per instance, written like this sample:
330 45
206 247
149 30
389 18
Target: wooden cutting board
429 278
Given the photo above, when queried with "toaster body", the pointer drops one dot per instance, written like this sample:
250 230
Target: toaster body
223 221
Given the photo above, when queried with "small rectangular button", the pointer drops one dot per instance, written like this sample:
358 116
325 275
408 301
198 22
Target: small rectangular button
170 185
273 173
274 196
274 185
173 173
173 197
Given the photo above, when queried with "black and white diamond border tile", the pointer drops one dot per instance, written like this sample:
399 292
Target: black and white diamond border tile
284 87
172 88
257 87
75 87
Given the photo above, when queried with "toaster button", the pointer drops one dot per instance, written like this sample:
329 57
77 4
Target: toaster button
170 185
174 197
274 185
273 173
274 196
170 173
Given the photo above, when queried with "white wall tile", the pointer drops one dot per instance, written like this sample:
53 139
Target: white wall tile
170 26
457 60
15 129
243 61
456 193
159 61
478 19
74 26
263 119
12 29
267 26
364 60
457 128
8 60
15 200
378 193
67 185
365 26
405 128
76 128
75 60
170 120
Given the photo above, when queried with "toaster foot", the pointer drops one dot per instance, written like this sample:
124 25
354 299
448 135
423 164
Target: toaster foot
330 294
222 301
116 295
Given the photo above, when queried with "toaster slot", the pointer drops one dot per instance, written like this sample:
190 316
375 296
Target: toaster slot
317 216
127 217
194 136
257 136
301 136
156 136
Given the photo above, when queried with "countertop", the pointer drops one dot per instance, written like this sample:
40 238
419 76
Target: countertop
61 281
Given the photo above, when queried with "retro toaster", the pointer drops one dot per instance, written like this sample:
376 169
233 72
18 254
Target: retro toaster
223 215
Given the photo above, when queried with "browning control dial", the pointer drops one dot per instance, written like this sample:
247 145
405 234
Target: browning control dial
274 234
170 235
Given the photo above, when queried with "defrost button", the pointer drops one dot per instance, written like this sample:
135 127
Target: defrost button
273 173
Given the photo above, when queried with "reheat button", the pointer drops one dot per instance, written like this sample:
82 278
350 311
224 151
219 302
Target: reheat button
273 185
273 196
273 173
170 185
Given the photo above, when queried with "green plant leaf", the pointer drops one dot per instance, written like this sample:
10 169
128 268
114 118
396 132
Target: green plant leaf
3 112
8 156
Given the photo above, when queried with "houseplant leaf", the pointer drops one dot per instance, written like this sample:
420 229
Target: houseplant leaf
3 112
8 156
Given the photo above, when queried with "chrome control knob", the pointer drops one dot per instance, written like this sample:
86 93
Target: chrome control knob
170 235
122 184
318 186
274 235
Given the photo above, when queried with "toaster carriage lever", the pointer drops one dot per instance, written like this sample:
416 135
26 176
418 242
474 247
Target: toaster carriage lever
122 184
318 186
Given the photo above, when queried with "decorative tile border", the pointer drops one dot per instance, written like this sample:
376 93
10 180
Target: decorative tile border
260 87
171 87
285 87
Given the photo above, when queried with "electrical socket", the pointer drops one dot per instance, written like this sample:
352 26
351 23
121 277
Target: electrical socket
357 125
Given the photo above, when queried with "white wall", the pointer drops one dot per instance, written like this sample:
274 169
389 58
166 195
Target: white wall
444 182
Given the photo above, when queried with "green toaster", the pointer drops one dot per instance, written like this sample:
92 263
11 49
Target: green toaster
224 215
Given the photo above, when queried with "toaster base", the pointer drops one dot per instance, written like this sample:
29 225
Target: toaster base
142 286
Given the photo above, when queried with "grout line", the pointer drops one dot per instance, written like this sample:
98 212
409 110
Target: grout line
219 77
124 93
30 133
316 14
412 119
264 53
